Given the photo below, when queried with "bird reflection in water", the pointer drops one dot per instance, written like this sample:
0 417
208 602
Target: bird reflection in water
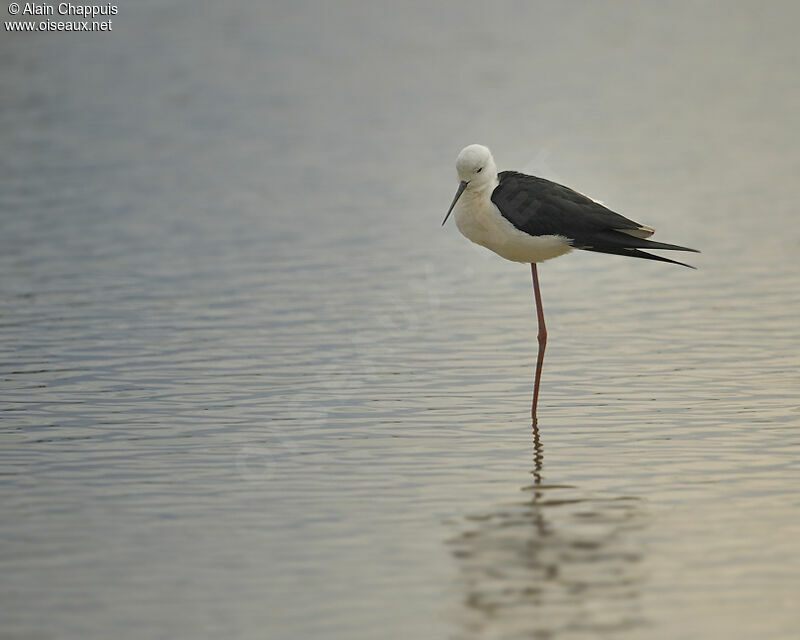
561 563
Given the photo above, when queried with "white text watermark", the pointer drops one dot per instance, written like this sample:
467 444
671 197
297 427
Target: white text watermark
45 16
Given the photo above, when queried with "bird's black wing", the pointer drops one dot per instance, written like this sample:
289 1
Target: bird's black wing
540 207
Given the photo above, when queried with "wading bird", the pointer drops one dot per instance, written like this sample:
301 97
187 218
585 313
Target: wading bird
528 219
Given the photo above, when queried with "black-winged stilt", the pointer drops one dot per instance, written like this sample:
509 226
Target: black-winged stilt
528 219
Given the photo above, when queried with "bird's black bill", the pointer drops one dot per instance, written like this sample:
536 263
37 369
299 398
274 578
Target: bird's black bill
461 188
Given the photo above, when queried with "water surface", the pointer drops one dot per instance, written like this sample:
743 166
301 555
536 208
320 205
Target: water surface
251 389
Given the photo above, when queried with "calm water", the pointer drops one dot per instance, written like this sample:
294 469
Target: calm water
250 389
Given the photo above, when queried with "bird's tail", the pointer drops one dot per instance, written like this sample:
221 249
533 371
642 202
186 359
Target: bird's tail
641 243
635 253
622 244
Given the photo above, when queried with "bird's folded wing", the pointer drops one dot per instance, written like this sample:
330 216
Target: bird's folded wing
541 207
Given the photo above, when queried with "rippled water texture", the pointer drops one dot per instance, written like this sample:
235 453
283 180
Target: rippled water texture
251 389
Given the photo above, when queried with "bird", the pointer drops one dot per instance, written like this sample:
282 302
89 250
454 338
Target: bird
527 219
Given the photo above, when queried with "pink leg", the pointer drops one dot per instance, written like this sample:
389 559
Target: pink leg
542 338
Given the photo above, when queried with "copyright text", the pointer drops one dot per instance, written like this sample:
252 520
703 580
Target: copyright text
62 9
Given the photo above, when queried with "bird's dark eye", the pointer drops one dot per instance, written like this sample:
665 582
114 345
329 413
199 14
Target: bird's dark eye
479 170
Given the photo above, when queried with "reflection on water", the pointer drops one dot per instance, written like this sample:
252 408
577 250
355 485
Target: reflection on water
559 562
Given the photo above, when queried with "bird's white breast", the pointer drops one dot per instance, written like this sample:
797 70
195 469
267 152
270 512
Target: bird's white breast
480 220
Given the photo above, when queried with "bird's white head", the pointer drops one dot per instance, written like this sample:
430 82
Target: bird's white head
475 166
476 172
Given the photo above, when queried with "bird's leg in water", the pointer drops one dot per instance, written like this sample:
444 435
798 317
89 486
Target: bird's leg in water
541 337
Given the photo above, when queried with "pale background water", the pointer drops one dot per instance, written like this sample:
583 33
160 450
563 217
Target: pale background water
251 389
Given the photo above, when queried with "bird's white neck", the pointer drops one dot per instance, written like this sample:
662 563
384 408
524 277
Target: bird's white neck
475 204
483 190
